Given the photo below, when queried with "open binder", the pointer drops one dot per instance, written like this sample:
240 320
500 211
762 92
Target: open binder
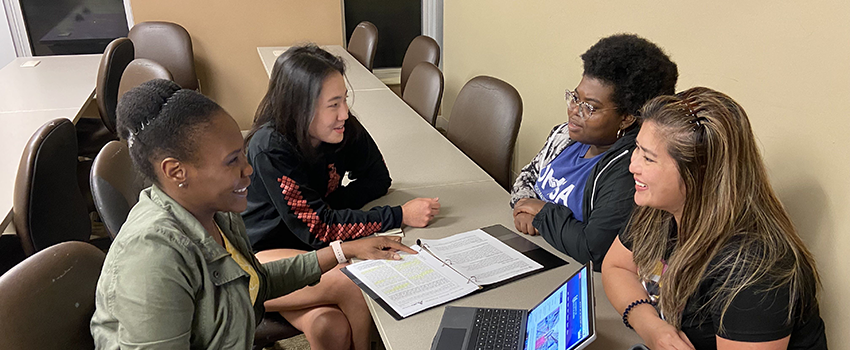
389 286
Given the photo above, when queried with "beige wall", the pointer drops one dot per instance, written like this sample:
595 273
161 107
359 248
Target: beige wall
785 62
226 34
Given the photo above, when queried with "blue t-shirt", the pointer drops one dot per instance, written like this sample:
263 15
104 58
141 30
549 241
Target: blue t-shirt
562 181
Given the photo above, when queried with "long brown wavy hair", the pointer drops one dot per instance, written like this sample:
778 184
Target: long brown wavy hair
728 198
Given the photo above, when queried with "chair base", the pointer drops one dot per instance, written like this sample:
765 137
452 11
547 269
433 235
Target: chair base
273 328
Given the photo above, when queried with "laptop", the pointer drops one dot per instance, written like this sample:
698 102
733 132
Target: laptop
564 320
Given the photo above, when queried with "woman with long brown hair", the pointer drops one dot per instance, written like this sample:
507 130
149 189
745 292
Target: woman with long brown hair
710 245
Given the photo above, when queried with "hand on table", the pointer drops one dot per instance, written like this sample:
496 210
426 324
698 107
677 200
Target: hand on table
375 248
419 212
524 211
528 205
522 221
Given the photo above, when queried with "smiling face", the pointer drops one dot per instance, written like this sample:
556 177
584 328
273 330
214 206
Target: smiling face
658 183
328 123
601 128
219 179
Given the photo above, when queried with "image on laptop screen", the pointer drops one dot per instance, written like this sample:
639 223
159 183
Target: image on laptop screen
562 320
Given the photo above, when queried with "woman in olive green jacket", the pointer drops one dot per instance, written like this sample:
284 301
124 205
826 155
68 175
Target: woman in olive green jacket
180 274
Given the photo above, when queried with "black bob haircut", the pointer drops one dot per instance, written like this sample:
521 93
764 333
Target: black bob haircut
159 120
637 69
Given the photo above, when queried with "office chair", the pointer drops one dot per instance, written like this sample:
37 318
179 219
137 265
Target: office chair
115 185
421 49
139 71
170 45
48 205
118 54
484 125
364 43
49 298
425 91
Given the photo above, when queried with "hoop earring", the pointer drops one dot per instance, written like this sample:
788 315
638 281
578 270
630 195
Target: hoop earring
620 133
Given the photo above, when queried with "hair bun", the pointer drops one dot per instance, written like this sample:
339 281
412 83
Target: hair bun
143 103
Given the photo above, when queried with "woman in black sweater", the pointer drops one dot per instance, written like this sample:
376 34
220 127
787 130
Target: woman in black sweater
315 166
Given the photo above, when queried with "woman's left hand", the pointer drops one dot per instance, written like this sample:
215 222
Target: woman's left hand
528 205
375 248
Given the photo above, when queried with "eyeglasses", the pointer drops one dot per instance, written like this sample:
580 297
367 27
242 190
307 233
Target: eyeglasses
585 110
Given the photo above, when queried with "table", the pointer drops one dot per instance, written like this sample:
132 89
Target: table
423 163
58 87
359 78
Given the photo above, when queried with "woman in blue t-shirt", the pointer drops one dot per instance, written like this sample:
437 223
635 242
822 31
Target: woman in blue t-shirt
577 192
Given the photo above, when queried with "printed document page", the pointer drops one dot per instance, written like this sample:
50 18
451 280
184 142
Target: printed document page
415 283
480 255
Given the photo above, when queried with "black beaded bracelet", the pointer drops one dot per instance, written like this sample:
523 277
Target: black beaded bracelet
629 308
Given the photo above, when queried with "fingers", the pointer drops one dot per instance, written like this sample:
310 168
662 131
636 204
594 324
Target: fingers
396 245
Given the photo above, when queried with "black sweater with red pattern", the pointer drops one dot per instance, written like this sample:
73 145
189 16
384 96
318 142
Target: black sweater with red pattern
293 203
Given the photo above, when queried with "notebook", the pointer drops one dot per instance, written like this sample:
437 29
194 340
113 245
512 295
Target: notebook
564 320
449 268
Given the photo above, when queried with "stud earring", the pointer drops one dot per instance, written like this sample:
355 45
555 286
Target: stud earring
181 185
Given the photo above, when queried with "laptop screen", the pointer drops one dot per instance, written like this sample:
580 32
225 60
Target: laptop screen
562 321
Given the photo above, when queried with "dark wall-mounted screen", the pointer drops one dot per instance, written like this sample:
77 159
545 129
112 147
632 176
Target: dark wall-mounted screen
398 22
63 27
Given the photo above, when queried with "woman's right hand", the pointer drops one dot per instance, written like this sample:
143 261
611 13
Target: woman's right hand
370 248
523 221
419 212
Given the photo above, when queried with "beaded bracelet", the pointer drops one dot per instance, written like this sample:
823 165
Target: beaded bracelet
629 308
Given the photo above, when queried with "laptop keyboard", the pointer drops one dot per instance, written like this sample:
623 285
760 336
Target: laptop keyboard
496 329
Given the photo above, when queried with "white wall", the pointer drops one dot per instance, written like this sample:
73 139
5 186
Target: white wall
7 47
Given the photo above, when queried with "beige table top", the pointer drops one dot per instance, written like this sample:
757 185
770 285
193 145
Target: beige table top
57 82
359 78
416 154
58 87
467 207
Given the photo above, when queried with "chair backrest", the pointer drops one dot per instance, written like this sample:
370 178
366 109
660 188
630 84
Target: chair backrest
116 57
170 45
425 91
484 124
49 298
139 71
421 49
49 207
115 185
364 43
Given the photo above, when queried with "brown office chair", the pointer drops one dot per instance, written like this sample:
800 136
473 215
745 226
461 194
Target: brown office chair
48 205
139 71
92 134
484 124
115 185
425 91
48 299
272 328
170 45
118 54
363 43
421 49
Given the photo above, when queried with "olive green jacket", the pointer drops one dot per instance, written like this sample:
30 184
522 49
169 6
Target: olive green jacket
166 283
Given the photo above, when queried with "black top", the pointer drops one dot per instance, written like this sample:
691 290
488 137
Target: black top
294 203
758 313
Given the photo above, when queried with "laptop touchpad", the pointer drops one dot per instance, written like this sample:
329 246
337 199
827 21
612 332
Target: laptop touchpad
451 339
